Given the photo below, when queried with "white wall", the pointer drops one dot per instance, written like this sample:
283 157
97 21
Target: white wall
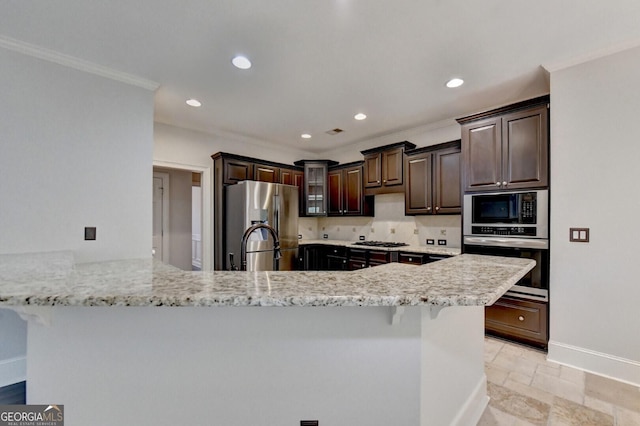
182 146
595 172
180 230
75 151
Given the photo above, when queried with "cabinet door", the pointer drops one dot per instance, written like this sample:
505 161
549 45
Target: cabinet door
266 173
286 176
352 194
446 182
235 171
334 202
315 201
372 170
518 319
298 180
417 195
392 167
525 149
482 154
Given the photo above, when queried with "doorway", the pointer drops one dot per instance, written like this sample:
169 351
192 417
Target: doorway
160 237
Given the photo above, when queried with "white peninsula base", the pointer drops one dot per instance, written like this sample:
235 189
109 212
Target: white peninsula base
269 366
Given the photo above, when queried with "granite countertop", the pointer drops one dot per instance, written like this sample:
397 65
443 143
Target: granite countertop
52 279
449 251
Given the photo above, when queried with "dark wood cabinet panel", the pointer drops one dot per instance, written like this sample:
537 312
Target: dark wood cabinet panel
373 170
525 148
392 167
236 170
266 173
482 150
412 258
418 195
447 196
345 191
518 319
507 148
432 180
384 168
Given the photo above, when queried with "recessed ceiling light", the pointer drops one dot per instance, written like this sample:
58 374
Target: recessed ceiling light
360 116
305 136
241 62
194 103
455 82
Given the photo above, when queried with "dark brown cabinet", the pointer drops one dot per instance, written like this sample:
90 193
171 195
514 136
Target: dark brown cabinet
235 170
291 177
432 180
384 168
517 319
314 192
345 192
265 173
507 148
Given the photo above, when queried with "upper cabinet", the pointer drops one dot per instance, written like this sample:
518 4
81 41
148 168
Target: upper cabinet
266 173
432 180
345 191
384 168
507 148
314 192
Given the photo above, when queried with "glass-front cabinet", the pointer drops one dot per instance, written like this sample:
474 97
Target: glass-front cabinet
315 186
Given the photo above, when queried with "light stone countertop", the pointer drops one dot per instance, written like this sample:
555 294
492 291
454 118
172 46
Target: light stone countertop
443 250
52 279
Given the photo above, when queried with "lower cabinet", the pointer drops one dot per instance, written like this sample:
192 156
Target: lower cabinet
522 320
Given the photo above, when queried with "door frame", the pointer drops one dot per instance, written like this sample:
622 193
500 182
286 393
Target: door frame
207 206
165 214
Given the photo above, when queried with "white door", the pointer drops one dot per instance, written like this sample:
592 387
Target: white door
160 216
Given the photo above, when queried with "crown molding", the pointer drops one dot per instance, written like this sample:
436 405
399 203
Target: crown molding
75 63
591 56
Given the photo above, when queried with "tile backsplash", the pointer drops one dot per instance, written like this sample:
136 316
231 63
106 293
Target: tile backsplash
389 224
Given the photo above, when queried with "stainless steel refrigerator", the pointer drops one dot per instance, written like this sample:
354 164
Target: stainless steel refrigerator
250 202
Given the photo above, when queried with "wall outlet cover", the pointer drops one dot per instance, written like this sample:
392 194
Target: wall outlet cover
430 241
361 237
442 242
90 233
299 236
325 236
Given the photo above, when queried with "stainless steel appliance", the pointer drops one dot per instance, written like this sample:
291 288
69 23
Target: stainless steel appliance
521 214
249 203
379 244
511 224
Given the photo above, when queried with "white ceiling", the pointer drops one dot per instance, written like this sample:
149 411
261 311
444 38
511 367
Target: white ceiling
318 62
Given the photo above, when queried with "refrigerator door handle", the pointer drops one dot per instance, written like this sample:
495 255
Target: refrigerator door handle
276 213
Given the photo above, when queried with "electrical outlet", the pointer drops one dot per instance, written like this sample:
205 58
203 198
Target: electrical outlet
90 233
325 236
442 242
579 235
361 237
299 236
309 423
430 241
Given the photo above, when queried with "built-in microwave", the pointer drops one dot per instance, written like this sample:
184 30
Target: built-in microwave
507 214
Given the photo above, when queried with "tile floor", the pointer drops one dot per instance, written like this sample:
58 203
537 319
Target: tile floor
526 390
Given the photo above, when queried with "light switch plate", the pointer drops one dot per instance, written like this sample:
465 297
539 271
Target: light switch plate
90 233
579 235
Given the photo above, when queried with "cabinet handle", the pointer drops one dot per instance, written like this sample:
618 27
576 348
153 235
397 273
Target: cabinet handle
335 251
520 318
344 261
497 183
411 259
504 183
428 208
384 181
377 181
437 208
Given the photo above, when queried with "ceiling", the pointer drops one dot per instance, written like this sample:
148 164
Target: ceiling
316 63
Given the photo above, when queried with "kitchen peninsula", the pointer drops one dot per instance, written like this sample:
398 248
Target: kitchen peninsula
133 342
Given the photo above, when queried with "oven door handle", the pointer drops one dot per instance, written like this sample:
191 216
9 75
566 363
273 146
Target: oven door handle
531 243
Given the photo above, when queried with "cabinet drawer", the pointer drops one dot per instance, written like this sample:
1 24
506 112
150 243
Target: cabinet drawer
354 265
518 318
336 251
358 254
379 256
412 258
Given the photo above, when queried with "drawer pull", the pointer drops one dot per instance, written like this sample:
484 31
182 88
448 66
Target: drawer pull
411 259
520 318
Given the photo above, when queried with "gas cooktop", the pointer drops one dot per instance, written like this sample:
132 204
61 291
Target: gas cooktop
379 244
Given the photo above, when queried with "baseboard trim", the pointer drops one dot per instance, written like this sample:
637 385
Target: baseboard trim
474 406
602 364
13 370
